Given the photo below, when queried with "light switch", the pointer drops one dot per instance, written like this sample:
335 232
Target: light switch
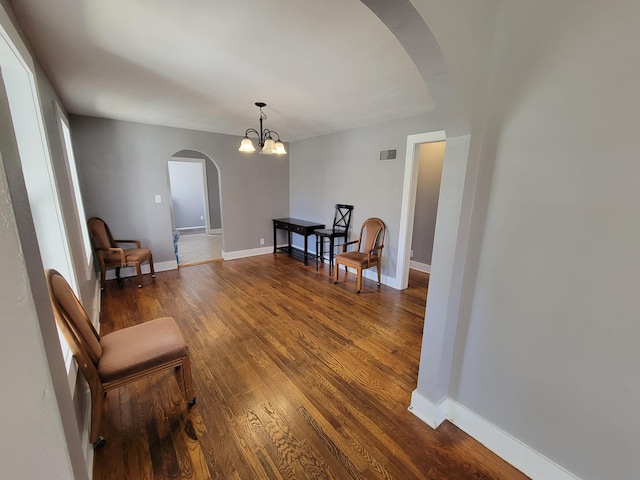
158 199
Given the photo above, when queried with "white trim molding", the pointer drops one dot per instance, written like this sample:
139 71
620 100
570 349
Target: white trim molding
421 267
246 253
131 271
521 456
409 187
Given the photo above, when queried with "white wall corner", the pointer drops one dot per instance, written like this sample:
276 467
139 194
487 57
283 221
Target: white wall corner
433 414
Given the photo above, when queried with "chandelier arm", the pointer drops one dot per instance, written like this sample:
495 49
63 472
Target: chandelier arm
268 132
263 134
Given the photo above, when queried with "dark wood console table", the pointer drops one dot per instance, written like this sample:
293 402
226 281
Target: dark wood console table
302 227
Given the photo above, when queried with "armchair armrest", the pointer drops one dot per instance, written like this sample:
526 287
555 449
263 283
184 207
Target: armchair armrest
119 251
344 245
375 250
137 242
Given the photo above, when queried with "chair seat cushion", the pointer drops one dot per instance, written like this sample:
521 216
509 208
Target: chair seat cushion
329 232
138 348
132 256
355 259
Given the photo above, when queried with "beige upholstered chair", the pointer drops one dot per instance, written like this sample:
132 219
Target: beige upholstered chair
119 357
111 256
367 254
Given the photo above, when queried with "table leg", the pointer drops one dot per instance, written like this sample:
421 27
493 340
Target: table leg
306 237
274 238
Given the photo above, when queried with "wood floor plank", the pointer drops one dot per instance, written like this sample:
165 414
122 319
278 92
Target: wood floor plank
295 378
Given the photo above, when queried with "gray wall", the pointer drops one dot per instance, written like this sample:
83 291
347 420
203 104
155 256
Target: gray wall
123 165
430 157
344 167
187 193
547 340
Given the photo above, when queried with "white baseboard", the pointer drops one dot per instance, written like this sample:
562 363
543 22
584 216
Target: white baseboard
433 414
131 271
214 231
186 229
246 253
88 447
372 274
507 447
95 309
421 267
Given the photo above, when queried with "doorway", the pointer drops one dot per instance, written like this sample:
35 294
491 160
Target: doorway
195 207
430 159
407 212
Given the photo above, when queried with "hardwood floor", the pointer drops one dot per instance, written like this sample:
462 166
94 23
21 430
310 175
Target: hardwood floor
295 378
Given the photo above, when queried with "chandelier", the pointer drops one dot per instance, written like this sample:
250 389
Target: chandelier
265 140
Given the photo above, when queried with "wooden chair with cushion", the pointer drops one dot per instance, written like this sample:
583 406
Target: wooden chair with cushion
367 254
111 256
110 361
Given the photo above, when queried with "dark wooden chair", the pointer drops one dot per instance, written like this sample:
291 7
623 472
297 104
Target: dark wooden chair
368 252
339 229
110 361
111 256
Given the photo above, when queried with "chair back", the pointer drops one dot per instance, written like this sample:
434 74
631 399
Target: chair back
342 218
100 235
73 322
371 234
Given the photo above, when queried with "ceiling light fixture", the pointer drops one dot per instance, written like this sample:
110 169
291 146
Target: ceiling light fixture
267 145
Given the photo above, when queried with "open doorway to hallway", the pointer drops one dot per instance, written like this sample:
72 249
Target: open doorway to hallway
195 208
430 157
415 145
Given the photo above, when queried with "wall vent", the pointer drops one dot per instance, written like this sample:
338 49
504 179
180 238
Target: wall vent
388 155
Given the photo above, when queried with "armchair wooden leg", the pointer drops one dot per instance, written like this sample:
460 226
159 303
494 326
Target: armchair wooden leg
336 272
139 274
187 381
97 400
103 278
358 280
378 273
153 273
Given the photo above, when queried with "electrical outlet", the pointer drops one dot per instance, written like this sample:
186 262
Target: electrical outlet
262 241
411 253
158 199
201 217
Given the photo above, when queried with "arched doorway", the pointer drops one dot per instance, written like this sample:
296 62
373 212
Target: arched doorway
195 208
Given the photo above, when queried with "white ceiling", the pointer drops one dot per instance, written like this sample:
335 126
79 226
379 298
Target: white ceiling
321 66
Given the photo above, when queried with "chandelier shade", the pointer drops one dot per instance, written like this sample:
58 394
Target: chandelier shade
265 138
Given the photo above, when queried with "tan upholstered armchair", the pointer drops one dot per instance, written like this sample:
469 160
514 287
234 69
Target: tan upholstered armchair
110 361
368 252
111 256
